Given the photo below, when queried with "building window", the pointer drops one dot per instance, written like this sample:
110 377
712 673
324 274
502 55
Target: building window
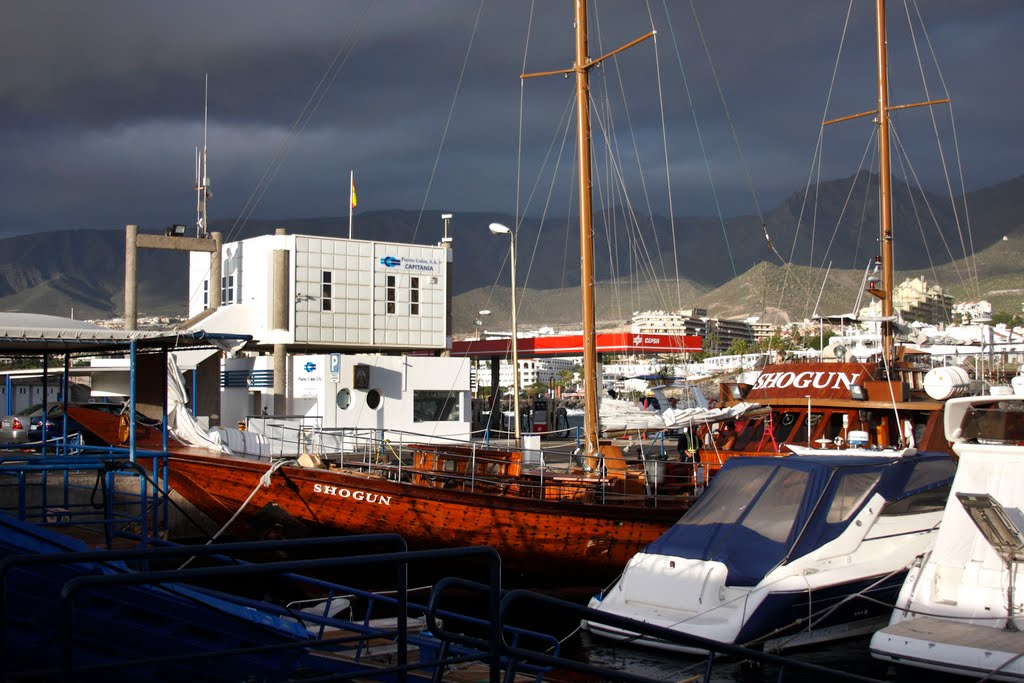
206 294
344 399
227 290
391 295
435 406
325 291
414 296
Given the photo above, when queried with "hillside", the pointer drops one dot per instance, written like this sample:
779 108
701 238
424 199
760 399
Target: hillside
640 257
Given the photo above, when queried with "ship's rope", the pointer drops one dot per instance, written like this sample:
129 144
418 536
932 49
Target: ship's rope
263 483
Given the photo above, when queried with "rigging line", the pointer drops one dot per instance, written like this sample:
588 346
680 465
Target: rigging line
917 213
448 121
615 171
565 126
931 211
818 151
522 109
668 166
855 261
728 114
700 138
938 142
846 204
641 176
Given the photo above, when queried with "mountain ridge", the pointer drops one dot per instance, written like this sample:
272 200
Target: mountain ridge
83 270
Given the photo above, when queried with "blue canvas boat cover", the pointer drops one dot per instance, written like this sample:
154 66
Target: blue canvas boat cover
762 512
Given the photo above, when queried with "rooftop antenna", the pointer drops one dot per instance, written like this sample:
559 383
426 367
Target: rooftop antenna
202 172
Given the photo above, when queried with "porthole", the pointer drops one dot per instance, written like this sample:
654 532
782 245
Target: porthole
373 399
344 399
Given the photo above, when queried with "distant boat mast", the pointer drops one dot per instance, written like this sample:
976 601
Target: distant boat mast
202 172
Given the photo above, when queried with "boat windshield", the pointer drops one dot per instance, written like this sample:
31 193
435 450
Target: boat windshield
999 424
758 515
765 500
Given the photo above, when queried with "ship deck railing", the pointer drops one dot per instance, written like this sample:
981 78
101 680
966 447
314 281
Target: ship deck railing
555 471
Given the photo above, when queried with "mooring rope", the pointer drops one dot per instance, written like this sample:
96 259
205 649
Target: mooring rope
264 482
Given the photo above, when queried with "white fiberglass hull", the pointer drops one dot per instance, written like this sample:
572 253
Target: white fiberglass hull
830 594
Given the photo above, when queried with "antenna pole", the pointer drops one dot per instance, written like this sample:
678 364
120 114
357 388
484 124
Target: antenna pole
202 172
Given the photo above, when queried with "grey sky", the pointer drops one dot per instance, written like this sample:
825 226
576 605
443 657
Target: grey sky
101 102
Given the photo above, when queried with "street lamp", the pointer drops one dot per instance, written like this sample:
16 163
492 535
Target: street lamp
499 229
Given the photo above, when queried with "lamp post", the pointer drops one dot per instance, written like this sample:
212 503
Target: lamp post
499 229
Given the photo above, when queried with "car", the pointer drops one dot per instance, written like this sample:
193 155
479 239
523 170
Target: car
27 425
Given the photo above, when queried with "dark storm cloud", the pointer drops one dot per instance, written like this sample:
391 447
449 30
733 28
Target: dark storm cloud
100 116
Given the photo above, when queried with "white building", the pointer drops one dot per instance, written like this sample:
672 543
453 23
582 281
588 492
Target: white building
425 396
331 293
973 312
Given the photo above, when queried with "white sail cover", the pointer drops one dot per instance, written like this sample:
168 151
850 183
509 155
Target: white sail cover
623 417
180 422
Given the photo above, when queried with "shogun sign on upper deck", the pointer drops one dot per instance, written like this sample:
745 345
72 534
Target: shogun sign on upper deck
818 380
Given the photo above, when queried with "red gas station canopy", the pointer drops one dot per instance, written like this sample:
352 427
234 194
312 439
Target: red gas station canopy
572 345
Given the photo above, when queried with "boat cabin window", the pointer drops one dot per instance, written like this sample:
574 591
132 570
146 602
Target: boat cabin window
726 501
936 474
850 494
785 424
751 435
834 426
435 406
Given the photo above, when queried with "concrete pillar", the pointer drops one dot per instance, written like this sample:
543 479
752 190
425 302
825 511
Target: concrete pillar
280 379
215 269
279 321
281 290
131 253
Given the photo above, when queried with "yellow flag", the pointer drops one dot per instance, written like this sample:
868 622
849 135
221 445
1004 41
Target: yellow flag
353 193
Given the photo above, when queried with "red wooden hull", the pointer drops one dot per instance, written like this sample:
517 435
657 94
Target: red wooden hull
578 540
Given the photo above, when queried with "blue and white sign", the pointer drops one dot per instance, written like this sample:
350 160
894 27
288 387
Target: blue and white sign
309 376
410 264
334 368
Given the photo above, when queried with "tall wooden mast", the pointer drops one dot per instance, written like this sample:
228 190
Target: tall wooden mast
881 115
884 185
591 369
581 69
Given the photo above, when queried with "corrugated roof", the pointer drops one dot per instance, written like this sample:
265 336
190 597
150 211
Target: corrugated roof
35 333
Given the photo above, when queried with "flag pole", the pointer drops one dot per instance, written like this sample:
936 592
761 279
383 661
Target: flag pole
351 199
